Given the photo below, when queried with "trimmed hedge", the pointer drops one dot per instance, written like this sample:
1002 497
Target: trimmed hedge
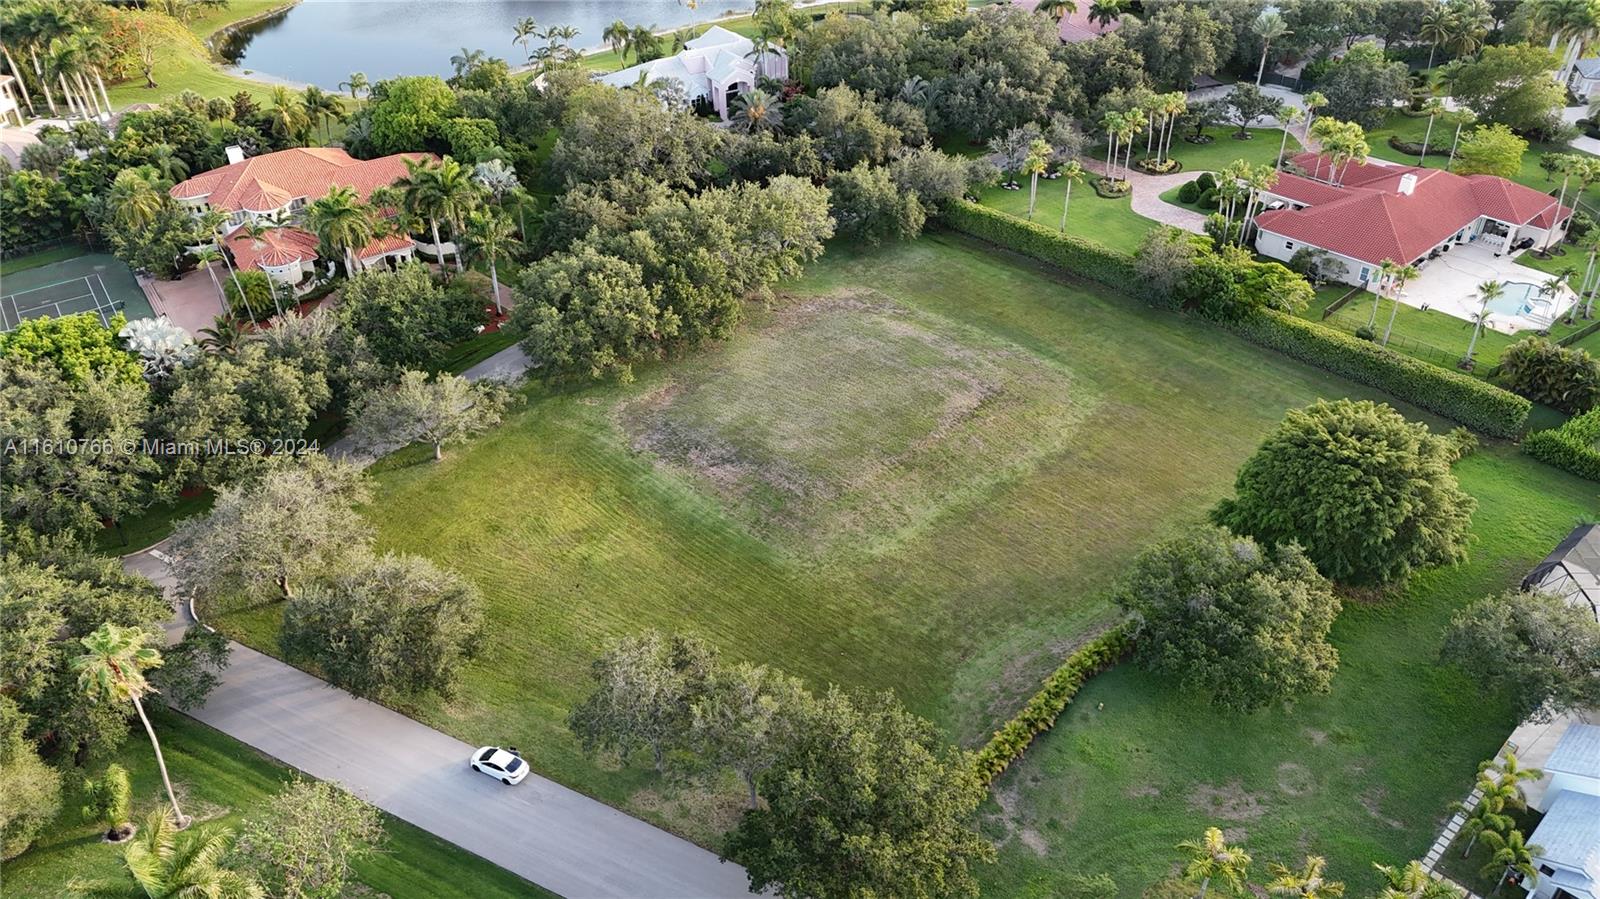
1477 404
1015 736
1081 257
1570 447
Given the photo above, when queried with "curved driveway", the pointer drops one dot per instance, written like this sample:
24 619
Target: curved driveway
555 837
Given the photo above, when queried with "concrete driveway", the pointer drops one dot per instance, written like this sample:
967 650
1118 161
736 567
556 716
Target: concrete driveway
555 837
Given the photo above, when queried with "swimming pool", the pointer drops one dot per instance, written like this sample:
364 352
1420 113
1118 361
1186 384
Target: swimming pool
1515 299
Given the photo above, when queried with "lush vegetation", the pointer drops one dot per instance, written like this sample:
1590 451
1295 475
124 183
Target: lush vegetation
1574 446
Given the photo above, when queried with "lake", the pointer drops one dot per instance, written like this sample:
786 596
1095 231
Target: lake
322 41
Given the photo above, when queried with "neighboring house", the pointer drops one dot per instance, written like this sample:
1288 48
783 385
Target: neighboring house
1075 26
1568 836
715 67
9 110
275 188
1585 78
1572 570
1381 210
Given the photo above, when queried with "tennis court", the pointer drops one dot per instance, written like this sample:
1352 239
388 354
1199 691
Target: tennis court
93 282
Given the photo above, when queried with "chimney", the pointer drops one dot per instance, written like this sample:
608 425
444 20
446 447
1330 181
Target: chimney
1408 183
235 154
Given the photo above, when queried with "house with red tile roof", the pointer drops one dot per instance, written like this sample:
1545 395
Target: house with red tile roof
275 188
1076 26
1381 210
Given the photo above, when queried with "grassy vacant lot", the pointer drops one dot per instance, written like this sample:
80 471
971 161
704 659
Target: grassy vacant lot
1362 774
222 781
1089 216
719 494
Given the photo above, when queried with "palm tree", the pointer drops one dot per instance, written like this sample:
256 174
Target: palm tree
1567 164
224 337
457 195
113 668
1173 105
1508 770
489 236
133 201
322 105
467 60
1211 858
1309 882
1035 165
1112 121
356 84
1104 12
167 164
1132 121
203 258
1260 179
419 196
1488 292
1436 28
1287 115
1463 117
170 865
1512 855
211 222
645 42
288 116
1386 270
1471 22
1590 285
526 28
1402 274
1269 27
916 91
616 37
1433 107
343 223
1313 101
1072 173
1414 882
756 110
1056 9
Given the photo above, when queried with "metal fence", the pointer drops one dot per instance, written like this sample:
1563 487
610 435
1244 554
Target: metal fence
1350 320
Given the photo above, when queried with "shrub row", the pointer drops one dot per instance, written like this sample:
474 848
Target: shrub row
1477 404
1081 257
1570 447
1015 736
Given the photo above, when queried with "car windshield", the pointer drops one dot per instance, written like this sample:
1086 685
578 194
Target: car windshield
484 756
515 765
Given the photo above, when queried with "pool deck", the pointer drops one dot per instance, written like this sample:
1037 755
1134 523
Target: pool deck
1449 284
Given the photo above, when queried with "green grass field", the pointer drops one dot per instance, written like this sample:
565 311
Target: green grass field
1089 215
1224 148
221 782
1362 774
691 500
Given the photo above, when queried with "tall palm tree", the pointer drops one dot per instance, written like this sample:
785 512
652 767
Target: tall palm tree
1512 855
756 111
343 223
525 28
356 84
211 222
645 42
1112 121
467 60
419 196
1104 12
1567 164
1590 285
1313 101
1433 107
1385 273
1414 882
112 667
616 37
489 236
1259 179
1287 115
1056 9
322 105
1436 28
1488 292
1471 22
1309 882
457 195
164 159
1036 164
1072 173
169 865
288 115
133 201
1269 27
204 258
1402 274
1211 858
1173 106
560 38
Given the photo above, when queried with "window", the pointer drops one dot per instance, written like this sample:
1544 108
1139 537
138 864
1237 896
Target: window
484 756
1288 245
515 766
1366 273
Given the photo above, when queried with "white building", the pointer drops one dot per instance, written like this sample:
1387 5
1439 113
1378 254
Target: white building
1569 834
1585 78
716 67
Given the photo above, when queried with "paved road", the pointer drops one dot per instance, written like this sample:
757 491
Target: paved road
557 838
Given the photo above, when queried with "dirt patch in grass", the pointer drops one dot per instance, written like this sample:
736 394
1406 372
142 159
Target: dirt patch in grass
1372 801
700 812
1230 802
852 422
1009 799
1295 779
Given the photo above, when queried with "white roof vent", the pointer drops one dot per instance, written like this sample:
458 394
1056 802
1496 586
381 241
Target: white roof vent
235 154
1408 184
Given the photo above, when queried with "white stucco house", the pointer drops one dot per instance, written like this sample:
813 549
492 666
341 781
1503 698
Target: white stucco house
1568 836
275 188
1585 78
1410 214
716 67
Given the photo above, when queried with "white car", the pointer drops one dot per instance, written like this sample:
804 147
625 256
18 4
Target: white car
501 764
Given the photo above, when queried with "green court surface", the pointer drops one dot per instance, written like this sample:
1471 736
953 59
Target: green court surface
93 282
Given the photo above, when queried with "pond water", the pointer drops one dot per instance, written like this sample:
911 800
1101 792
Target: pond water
322 41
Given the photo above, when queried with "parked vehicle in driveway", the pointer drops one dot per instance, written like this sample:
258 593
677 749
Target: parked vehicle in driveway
503 765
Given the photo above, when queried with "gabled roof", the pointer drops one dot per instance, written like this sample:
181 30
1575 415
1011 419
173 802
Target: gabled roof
1578 752
1588 68
285 246
1367 215
267 182
1569 834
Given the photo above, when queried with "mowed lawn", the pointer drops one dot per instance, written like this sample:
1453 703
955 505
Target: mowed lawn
1364 773
222 782
1110 222
1009 437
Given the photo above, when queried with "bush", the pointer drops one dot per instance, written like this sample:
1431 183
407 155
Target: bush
1112 188
1462 398
1208 198
1570 447
1015 736
257 303
1189 193
1414 148
1206 182
1546 372
1084 258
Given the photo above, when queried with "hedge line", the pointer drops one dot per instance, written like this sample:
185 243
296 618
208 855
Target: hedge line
1570 447
1477 404
1082 257
1015 736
